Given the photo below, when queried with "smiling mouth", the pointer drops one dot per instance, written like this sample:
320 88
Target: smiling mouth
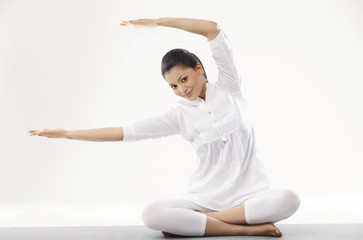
188 94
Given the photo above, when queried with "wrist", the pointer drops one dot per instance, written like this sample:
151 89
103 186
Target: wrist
159 21
67 134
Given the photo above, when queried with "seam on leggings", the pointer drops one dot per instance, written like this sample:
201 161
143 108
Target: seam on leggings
204 223
247 213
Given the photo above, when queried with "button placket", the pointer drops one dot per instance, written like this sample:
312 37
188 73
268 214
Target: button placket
211 115
224 138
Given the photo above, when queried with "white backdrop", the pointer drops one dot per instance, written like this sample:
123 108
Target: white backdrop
69 64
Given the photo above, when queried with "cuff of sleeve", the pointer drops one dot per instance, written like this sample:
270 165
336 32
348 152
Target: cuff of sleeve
217 40
247 213
129 132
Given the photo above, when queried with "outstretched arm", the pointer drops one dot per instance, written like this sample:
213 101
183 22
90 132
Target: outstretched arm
95 135
206 28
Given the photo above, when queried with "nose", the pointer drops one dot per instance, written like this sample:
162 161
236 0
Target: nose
183 91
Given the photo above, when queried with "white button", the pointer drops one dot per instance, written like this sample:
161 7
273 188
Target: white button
219 128
224 138
210 112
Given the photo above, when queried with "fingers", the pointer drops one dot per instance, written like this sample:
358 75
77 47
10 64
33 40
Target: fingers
33 132
138 23
36 132
124 23
127 23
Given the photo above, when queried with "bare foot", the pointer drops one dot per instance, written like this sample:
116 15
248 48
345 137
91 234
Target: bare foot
264 229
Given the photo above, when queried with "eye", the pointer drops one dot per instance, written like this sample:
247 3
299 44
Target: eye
185 78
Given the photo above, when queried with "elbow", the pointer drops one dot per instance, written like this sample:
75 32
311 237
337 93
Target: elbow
120 134
213 31
214 25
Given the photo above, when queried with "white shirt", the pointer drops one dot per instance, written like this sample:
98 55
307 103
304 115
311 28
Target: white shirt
228 169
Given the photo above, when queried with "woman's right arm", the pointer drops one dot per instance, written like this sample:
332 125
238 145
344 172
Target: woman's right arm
95 135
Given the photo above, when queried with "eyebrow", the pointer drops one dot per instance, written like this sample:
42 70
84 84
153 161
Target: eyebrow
171 84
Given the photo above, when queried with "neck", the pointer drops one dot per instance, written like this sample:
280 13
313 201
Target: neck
204 90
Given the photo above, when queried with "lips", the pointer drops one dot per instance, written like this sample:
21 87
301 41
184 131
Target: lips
189 93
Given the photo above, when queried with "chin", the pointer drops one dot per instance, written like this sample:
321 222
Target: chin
191 98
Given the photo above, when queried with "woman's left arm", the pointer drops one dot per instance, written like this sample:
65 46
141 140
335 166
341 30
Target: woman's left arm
206 28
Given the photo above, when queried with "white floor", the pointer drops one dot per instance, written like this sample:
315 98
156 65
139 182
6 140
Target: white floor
311 211
290 232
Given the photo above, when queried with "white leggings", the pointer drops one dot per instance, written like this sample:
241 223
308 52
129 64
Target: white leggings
177 216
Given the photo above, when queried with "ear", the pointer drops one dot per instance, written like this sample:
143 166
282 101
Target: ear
199 69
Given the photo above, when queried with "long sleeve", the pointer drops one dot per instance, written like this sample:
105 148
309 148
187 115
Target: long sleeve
228 74
163 125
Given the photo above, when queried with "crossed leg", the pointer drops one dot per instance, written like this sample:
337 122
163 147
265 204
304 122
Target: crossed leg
272 206
253 217
215 227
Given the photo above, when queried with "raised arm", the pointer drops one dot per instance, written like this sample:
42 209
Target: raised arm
206 28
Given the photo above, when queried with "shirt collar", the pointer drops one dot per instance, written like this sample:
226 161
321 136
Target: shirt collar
198 100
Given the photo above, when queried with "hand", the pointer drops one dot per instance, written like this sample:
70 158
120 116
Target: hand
50 133
151 23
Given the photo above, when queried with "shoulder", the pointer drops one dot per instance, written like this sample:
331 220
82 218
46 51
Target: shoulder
175 111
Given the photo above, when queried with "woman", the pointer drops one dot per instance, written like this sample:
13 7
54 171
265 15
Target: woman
228 192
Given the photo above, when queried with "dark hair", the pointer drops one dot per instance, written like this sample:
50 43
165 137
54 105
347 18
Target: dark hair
179 57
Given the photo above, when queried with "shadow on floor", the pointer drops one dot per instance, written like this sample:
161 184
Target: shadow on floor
290 232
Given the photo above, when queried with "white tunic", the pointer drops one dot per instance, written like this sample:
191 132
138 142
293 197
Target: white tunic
228 168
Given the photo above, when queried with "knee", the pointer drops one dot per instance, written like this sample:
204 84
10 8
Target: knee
152 214
290 201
